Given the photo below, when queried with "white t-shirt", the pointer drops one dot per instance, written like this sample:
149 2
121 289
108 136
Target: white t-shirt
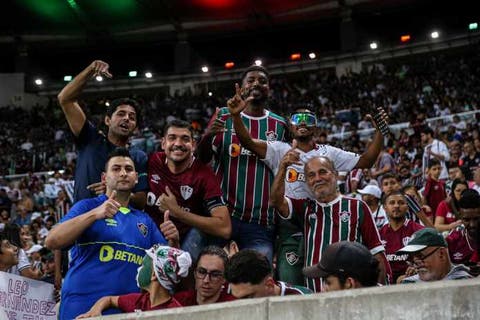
23 263
295 186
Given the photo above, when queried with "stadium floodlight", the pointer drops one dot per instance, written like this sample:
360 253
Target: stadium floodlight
67 78
258 62
148 75
473 26
107 103
295 56
312 55
229 65
38 82
373 45
99 78
405 38
434 35
132 74
210 93
204 69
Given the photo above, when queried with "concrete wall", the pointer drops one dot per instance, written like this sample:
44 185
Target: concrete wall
440 300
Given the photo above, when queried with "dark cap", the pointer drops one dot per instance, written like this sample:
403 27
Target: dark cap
428 237
344 257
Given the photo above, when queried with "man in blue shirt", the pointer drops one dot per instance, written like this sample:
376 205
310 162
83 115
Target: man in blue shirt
107 239
94 146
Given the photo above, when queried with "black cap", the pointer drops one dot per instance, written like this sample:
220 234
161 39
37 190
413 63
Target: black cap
344 257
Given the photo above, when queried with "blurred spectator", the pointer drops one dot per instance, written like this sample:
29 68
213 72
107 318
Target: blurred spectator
434 191
470 160
447 216
372 195
434 149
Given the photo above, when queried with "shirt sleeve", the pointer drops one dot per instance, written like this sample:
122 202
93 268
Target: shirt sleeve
127 302
442 210
275 152
23 261
78 208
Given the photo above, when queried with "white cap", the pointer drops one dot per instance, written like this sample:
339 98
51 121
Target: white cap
35 215
34 248
372 190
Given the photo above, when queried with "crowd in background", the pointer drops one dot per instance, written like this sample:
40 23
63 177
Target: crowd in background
410 91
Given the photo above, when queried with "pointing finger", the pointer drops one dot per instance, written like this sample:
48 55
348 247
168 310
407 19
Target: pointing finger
166 216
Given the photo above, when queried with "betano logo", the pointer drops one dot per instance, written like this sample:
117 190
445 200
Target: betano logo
293 175
236 150
107 253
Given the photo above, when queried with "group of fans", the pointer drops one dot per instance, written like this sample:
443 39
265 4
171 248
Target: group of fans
259 206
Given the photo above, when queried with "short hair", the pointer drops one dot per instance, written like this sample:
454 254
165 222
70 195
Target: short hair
247 266
214 251
11 232
124 101
178 124
117 152
390 175
3 236
470 199
393 193
433 162
326 159
255 68
427 130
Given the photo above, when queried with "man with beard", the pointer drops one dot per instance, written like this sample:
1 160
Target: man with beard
93 146
188 188
397 232
245 179
302 127
462 241
329 217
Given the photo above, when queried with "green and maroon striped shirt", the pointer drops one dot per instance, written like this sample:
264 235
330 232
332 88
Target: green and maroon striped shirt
245 178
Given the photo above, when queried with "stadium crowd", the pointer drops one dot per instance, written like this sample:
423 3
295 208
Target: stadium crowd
241 194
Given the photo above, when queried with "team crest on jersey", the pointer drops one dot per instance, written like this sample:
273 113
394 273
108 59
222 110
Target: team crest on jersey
142 228
271 135
155 178
406 240
186 192
345 216
292 258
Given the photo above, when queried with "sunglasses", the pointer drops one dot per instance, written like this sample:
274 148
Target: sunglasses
309 119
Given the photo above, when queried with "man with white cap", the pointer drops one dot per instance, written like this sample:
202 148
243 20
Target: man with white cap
372 196
345 265
429 258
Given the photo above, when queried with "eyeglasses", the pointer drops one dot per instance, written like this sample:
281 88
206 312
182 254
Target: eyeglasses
309 119
214 275
417 259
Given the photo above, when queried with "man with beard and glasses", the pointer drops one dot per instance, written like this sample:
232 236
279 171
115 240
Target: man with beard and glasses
396 234
188 188
329 217
303 123
245 178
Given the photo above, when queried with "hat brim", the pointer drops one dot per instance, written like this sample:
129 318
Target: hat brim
314 272
412 248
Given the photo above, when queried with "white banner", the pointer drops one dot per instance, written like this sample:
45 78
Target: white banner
23 298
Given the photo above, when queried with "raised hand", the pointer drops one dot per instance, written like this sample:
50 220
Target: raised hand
100 68
237 104
109 208
291 157
98 187
167 201
169 230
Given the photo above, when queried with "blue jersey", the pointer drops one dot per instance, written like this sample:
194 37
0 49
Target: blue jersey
93 151
105 258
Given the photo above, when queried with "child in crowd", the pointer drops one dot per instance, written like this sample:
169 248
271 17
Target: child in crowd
162 267
434 191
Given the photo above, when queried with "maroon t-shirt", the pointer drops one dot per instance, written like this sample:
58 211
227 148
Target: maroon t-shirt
394 241
196 189
189 297
460 247
141 301
434 193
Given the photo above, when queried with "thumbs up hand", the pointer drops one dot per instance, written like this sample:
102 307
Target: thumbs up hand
109 208
169 202
170 231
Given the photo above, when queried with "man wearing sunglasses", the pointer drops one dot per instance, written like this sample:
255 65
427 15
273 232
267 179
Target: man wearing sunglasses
429 259
303 123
